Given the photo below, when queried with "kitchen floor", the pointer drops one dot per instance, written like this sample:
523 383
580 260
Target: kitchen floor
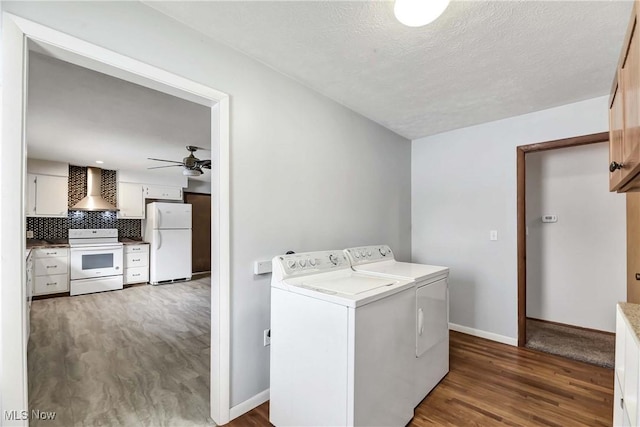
139 356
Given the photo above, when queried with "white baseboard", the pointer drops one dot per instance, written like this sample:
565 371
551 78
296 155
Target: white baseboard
249 404
484 334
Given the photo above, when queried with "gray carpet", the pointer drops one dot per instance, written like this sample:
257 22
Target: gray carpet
592 347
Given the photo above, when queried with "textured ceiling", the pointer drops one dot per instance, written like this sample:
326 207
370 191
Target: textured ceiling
480 61
79 116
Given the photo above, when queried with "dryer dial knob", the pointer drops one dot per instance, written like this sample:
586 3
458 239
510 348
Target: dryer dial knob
312 262
334 259
291 263
302 262
383 252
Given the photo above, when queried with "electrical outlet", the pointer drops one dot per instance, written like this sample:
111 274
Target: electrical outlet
266 337
29 234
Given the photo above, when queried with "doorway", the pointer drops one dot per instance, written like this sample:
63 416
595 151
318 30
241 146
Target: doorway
521 152
19 35
201 231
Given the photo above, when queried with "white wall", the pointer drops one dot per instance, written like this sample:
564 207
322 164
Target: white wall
307 173
576 267
196 186
463 185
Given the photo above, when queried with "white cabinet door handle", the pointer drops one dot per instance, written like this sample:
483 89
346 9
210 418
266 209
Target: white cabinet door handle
420 321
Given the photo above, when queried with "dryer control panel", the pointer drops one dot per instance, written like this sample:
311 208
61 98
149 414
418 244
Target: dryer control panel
367 254
310 262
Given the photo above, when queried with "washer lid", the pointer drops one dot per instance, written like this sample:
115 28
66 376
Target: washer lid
352 285
404 270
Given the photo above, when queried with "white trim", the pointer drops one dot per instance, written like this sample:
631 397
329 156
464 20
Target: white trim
15 31
483 334
249 404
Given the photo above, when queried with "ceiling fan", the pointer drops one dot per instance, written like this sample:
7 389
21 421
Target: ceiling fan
191 165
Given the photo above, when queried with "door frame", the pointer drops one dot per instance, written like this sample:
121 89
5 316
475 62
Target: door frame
522 151
17 33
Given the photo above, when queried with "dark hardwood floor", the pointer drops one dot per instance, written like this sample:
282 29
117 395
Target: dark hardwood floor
496 384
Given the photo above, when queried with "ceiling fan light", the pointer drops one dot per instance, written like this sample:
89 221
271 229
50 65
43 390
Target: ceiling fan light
191 172
416 13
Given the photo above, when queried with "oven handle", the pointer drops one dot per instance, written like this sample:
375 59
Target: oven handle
159 240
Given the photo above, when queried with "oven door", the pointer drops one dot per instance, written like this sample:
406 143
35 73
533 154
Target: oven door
103 261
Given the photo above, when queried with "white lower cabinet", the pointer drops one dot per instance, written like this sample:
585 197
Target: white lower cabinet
51 267
627 368
136 264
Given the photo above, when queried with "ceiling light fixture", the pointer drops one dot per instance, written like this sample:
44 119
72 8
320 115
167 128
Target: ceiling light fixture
416 13
99 162
191 172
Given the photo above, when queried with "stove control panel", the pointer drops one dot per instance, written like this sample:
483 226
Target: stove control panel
310 262
367 254
91 233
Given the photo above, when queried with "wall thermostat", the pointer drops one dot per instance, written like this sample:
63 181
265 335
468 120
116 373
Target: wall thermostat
549 218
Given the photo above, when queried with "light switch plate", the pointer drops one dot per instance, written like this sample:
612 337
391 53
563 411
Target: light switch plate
493 235
262 267
549 218
29 234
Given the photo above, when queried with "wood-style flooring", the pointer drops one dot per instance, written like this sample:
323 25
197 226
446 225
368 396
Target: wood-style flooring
139 356
492 384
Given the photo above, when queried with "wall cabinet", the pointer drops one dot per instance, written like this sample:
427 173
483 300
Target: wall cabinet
130 200
624 114
51 271
162 192
47 195
136 264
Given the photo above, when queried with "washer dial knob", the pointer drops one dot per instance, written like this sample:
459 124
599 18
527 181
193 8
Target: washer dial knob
291 263
312 262
302 262
334 259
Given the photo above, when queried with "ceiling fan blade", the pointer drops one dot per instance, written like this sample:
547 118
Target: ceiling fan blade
163 160
168 166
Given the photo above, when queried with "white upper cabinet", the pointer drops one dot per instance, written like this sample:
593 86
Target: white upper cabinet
47 195
161 192
47 188
130 200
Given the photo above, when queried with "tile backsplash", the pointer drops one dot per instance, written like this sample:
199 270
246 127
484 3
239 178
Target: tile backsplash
57 228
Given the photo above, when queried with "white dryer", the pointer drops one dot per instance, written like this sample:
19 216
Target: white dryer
431 310
341 344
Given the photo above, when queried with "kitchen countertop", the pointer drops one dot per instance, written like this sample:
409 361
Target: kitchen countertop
128 241
35 243
632 313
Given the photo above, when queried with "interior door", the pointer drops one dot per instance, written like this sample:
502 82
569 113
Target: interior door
201 227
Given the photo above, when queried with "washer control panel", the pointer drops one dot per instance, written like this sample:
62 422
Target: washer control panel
367 254
312 262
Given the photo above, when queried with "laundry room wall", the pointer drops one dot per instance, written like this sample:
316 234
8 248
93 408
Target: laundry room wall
307 173
576 267
464 185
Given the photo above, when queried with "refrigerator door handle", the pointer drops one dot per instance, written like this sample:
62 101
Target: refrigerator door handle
159 217
159 240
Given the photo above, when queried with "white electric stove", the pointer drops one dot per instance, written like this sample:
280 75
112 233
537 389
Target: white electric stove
341 344
96 261
431 311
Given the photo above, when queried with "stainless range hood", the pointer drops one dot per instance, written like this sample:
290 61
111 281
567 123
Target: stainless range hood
93 201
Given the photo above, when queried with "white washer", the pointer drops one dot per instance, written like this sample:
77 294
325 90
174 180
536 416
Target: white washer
341 344
431 310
